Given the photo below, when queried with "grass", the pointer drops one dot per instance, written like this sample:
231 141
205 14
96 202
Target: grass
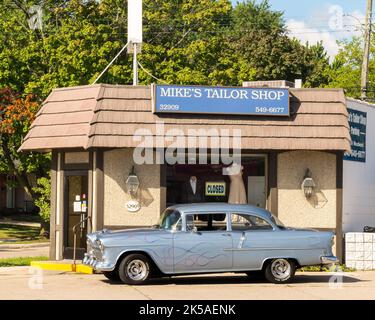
22 217
21 261
341 268
19 233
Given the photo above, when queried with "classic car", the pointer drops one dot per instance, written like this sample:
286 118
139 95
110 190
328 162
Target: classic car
208 238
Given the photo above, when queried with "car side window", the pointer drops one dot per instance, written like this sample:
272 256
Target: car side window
206 222
244 222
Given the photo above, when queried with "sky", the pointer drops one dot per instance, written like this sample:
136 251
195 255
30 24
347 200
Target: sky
322 20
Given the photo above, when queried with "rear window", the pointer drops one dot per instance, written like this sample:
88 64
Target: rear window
206 222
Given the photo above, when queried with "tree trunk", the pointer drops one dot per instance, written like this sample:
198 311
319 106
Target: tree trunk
20 176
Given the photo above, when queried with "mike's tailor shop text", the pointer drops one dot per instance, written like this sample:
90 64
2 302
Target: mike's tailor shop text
221 100
189 309
221 93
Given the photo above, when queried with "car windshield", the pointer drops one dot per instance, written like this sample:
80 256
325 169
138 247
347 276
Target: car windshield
276 221
170 219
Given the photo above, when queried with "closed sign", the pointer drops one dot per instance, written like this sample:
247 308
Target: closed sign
215 189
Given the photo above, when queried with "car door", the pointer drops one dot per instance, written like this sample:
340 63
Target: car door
204 244
253 241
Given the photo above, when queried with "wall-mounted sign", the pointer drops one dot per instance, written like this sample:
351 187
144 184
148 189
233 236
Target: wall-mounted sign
357 123
215 188
220 100
133 206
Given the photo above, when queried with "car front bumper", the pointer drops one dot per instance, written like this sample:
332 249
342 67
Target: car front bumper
329 260
90 260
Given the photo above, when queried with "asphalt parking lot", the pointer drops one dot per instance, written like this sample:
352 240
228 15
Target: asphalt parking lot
34 284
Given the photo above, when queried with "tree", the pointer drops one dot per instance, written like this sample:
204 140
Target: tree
43 201
185 42
16 116
345 71
260 38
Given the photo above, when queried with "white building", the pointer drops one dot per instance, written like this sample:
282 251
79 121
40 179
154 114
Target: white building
359 168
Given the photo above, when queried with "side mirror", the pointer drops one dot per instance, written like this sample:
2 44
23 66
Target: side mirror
194 229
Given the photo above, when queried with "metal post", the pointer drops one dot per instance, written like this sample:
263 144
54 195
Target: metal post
74 250
366 51
135 65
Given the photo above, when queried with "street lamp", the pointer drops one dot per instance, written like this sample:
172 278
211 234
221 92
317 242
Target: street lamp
308 184
132 182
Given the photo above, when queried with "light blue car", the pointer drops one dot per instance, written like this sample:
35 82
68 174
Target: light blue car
208 237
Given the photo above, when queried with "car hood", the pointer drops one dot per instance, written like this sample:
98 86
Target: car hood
110 236
301 229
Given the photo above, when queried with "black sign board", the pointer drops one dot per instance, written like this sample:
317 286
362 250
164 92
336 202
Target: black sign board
357 124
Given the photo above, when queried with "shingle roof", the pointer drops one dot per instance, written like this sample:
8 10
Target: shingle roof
108 116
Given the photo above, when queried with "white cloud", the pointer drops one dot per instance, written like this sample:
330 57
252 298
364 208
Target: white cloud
332 25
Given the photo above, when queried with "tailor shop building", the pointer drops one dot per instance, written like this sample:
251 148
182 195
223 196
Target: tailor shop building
122 154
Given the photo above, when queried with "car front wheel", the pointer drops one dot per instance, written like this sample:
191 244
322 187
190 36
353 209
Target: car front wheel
280 270
112 275
134 269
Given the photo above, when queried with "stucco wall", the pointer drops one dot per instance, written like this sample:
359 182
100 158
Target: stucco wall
293 207
117 165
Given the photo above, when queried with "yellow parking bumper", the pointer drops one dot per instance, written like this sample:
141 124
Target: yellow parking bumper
62 266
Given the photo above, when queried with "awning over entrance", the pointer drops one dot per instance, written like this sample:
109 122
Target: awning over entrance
109 115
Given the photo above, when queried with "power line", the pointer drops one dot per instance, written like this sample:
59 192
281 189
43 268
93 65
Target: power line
151 75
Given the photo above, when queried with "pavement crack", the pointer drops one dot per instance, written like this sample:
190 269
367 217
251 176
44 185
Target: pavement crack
143 294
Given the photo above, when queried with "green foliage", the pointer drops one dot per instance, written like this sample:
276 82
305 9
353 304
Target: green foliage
43 201
336 268
345 71
185 42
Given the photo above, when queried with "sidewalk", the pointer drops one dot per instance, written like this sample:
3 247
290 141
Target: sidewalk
17 283
24 250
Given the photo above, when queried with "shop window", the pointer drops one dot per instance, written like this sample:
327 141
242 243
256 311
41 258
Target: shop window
206 222
245 222
192 183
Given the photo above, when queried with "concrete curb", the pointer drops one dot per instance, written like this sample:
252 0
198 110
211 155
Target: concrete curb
26 245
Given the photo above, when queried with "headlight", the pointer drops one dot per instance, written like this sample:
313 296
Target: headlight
100 245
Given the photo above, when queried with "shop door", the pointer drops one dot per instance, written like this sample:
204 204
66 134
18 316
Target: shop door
256 191
75 212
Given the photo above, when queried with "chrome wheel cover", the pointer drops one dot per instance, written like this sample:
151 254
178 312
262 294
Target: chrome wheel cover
281 269
137 270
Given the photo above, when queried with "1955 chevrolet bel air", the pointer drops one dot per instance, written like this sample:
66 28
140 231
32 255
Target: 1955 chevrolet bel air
208 237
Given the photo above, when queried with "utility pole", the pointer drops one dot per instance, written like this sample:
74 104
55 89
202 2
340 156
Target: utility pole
135 33
366 51
135 65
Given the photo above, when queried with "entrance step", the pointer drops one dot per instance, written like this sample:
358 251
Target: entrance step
63 265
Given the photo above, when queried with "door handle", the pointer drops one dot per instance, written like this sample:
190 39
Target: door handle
242 240
226 234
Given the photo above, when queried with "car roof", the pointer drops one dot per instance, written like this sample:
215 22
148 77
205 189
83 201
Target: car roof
220 207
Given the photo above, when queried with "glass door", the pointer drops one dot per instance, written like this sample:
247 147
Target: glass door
75 212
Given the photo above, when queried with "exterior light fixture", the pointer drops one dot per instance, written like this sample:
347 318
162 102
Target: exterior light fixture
308 184
132 182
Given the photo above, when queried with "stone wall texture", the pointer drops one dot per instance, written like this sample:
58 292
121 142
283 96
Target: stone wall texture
294 209
117 165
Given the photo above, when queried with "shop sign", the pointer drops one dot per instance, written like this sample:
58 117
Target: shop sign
357 125
215 189
220 100
133 206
